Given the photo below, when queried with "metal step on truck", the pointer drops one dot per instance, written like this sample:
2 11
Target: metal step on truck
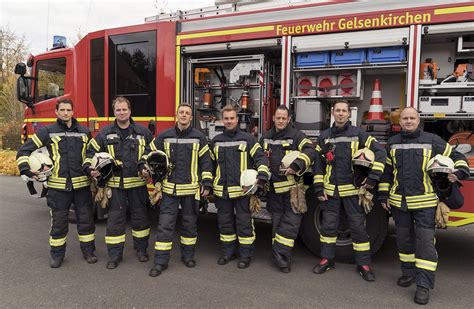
304 54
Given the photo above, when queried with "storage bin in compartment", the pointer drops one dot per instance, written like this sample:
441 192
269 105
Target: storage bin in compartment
348 56
314 59
386 54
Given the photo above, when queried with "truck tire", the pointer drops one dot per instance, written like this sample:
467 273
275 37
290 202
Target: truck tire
376 225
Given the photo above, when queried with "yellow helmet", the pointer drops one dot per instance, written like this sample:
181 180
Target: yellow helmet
41 163
288 159
440 164
248 181
363 157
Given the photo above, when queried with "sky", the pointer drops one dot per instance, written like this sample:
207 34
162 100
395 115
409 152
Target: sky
39 20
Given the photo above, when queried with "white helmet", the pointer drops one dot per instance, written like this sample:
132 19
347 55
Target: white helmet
248 181
159 164
104 164
440 164
288 159
41 163
363 157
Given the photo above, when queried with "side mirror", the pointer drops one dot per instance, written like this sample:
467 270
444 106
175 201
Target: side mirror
20 69
23 90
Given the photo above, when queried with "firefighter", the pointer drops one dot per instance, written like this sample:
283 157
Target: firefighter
125 141
335 188
406 190
189 179
276 143
66 142
233 152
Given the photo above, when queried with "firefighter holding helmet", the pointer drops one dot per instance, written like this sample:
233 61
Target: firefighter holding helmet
290 154
235 151
406 190
336 187
65 142
126 143
182 174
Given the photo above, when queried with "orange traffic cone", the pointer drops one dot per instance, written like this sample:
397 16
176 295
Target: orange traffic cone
376 109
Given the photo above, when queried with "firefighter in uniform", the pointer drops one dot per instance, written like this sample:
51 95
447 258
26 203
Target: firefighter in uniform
286 220
126 142
335 188
406 190
189 179
66 142
233 152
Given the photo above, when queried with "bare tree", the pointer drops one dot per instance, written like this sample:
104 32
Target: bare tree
13 49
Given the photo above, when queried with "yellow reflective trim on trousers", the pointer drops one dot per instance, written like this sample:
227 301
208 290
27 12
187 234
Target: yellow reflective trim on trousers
228 238
163 246
87 238
94 144
188 241
194 163
246 240
364 246
284 241
37 141
407 258
203 150
327 240
57 242
141 234
114 240
425 264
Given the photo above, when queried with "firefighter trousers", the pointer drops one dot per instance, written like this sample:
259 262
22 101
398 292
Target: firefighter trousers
166 225
331 210
133 200
416 244
235 222
59 203
285 223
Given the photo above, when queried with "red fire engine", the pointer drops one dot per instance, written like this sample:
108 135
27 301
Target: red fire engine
256 57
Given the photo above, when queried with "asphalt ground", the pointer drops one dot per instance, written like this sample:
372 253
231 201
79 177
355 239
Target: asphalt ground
27 281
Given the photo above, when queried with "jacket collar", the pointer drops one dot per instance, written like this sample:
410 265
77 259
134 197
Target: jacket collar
131 126
61 123
182 133
338 131
411 135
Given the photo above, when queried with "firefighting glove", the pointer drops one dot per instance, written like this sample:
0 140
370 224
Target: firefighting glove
365 199
99 195
107 196
262 188
93 188
204 205
254 204
156 195
442 215
298 199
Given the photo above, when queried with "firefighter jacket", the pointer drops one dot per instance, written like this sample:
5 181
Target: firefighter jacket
333 168
67 149
233 152
128 153
405 181
191 164
276 144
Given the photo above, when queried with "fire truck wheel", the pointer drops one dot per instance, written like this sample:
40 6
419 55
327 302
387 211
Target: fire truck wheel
377 225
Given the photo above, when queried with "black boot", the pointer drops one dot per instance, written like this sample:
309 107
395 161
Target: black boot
281 262
225 259
243 263
55 262
366 272
112 264
405 281
142 256
157 269
422 295
323 266
189 262
90 258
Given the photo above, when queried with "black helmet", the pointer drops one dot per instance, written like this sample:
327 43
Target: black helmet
104 163
158 164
